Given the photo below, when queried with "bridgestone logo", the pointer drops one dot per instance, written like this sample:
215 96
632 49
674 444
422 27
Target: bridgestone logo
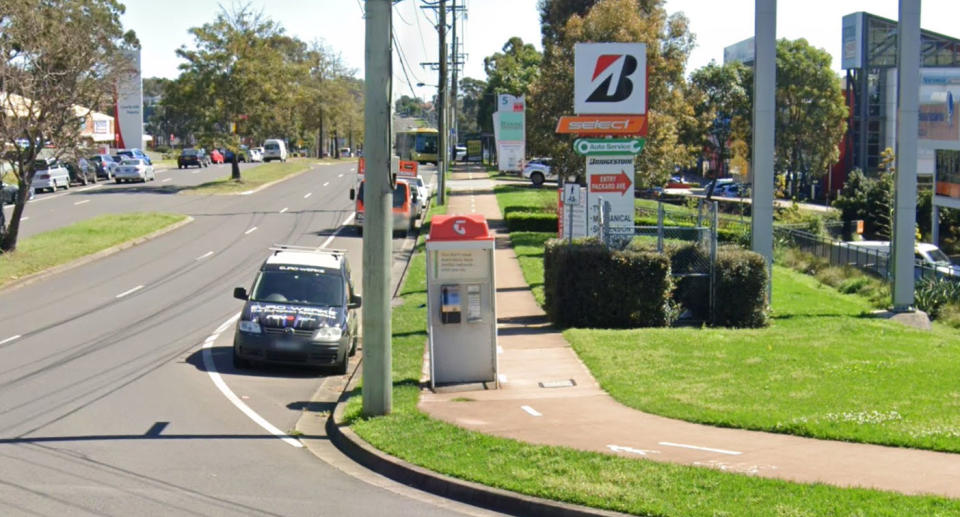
605 68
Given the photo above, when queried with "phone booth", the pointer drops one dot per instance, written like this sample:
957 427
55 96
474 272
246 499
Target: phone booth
461 300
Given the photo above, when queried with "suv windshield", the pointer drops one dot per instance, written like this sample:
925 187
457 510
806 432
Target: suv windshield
302 286
189 152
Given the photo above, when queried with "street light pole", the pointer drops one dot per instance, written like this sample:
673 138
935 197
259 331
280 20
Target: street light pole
442 112
378 204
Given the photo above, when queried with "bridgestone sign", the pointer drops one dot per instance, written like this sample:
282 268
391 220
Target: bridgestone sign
610 78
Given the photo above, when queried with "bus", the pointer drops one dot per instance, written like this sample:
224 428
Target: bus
419 145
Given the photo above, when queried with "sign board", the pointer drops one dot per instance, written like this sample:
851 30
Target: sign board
608 146
129 109
610 180
851 53
510 156
610 78
572 211
511 127
603 125
510 103
474 150
407 169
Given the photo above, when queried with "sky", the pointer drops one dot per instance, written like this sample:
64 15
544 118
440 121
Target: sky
162 27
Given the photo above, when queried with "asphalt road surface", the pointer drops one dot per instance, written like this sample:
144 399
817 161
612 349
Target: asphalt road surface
111 405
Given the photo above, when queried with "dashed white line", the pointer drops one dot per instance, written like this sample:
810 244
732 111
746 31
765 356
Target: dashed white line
218 381
708 449
325 184
308 194
530 410
342 226
284 209
9 339
130 291
251 230
205 255
502 378
22 219
352 169
166 180
340 175
81 202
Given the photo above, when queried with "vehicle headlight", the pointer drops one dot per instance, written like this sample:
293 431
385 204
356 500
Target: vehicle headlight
327 334
251 327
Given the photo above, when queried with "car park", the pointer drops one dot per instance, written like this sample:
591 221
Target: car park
538 171
192 157
300 310
216 157
105 165
81 171
49 174
134 170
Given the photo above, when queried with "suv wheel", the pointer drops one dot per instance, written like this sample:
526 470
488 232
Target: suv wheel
341 367
537 179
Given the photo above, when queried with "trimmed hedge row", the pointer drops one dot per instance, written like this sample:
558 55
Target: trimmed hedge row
520 221
537 221
588 285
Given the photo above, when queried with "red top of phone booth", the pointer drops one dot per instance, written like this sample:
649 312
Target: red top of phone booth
472 227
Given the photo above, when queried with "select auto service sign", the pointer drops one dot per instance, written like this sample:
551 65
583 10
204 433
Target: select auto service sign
610 78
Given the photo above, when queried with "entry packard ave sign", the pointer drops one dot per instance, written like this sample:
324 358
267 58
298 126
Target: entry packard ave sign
608 146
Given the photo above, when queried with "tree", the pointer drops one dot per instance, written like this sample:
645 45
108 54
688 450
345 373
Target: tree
58 61
669 112
511 71
407 106
722 107
811 111
468 108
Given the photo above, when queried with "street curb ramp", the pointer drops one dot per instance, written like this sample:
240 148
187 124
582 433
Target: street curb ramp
483 496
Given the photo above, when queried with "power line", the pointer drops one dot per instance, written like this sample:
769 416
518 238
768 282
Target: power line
397 11
403 65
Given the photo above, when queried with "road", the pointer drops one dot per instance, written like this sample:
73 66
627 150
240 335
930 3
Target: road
108 404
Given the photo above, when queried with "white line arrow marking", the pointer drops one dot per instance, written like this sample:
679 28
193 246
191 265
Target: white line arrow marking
631 450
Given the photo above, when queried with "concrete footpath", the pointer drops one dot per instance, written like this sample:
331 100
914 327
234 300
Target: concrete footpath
547 396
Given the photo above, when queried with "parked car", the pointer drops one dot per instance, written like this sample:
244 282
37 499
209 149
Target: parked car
134 170
424 189
135 153
256 154
49 174
537 171
8 194
731 190
216 157
404 211
190 157
418 201
274 149
227 155
105 165
81 171
460 153
301 310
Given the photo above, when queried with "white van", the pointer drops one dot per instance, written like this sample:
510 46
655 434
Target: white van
274 149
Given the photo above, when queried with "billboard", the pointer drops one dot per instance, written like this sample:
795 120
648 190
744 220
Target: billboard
129 107
851 53
939 125
610 78
509 129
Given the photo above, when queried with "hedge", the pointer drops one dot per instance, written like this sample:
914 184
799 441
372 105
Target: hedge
520 221
740 289
588 285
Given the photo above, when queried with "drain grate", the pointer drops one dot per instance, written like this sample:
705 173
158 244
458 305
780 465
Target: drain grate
565 383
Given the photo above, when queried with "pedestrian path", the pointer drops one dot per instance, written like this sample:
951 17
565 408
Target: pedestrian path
548 396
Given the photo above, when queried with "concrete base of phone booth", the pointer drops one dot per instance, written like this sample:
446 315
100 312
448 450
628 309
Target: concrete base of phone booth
461 301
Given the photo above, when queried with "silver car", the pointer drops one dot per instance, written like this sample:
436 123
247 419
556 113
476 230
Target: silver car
134 169
50 174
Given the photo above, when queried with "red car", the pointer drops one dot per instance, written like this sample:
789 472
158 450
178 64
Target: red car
216 157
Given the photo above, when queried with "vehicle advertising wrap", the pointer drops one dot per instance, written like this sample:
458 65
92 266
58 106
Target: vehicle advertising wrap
129 109
610 78
294 317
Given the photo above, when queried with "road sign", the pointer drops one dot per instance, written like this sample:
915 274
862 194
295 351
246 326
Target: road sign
610 78
610 183
601 146
407 169
603 125
606 183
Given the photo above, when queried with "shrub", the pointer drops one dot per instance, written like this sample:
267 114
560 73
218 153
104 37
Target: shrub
853 285
832 276
588 285
521 221
740 289
931 295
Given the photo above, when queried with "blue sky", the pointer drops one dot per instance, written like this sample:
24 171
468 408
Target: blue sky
162 27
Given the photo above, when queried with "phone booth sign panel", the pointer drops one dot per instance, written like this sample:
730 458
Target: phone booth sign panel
461 300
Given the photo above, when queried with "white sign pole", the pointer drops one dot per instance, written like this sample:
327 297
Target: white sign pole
129 109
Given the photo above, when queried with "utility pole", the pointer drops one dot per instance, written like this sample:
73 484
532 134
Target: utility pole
454 61
378 204
442 112
764 121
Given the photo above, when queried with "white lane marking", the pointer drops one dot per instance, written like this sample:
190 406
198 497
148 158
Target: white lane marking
308 194
499 349
352 169
196 171
218 381
205 255
81 202
22 219
39 199
9 339
631 450
530 410
708 449
130 291
166 180
325 184
283 210
251 230
501 377
342 226
339 175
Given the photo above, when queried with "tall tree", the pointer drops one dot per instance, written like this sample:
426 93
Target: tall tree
722 107
511 71
468 111
811 112
55 56
669 112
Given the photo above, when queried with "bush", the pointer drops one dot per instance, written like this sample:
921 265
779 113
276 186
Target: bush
740 289
588 285
521 221
932 295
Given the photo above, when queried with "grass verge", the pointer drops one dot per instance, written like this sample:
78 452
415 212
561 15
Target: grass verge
253 177
60 246
635 486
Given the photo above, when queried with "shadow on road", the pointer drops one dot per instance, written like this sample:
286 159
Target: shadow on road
223 361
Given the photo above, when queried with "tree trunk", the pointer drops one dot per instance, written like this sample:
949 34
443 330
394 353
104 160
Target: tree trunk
336 144
234 168
320 142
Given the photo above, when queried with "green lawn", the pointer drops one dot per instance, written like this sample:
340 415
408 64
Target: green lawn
56 247
254 177
635 486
